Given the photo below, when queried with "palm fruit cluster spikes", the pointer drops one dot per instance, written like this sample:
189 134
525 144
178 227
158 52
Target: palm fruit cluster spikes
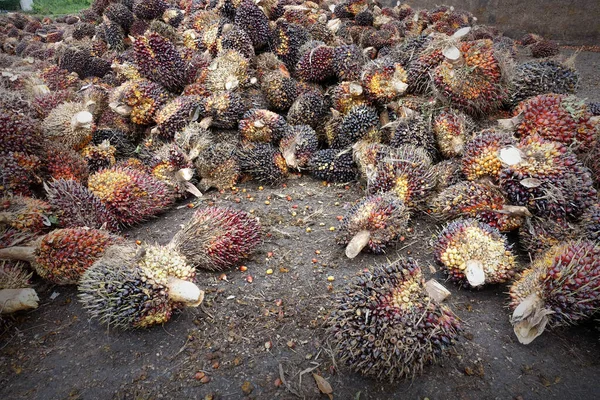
218 166
18 132
540 77
347 62
556 117
537 235
299 145
481 156
547 178
25 214
78 206
473 253
373 223
414 130
590 222
263 162
388 311
216 238
251 19
262 126
159 60
71 123
99 156
316 62
175 115
451 131
361 122
346 95
562 287
308 109
384 81
139 99
131 196
171 165
333 165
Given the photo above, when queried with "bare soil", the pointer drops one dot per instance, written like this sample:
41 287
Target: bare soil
246 335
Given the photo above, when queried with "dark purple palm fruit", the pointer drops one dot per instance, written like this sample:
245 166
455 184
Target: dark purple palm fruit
413 130
361 122
309 108
175 115
590 222
391 311
316 62
159 60
562 287
544 48
263 162
299 145
537 235
217 238
333 165
262 126
251 19
374 223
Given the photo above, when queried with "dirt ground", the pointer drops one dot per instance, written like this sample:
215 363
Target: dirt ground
246 335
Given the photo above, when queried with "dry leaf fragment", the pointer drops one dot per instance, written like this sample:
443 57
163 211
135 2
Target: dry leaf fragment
323 385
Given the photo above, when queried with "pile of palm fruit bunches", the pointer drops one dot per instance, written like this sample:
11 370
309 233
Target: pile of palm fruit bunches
111 116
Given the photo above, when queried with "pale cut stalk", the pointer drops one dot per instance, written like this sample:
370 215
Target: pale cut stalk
475 273
516 211
358 242
290 157
21 253
206 122
510 155
82 119
530 319
461 32
12 300
436 291
185 292
122 109
510 123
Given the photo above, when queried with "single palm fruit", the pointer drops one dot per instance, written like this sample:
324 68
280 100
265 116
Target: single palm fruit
481 154
384 80
451 130
389 311
373 223
63 255
25 214
474 254
332 165
481 201
130 195
299 145
218 166
76 206
263 162
138 287
547 178
562 287
537 235
262 126
217 238
71 124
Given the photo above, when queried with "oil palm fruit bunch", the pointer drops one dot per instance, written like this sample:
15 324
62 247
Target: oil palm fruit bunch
534 78
481 156
19 173
448 173
361 122
414 130
383 80
280 89
451 130
332 165
138 99
389 311
562 287
262 126
348 61
556 117
218 166
160 61
171 165
175 115
299 145
547 178
133 287
537 234
481 201
544 48
235 38
76 206
590 222
471 77
25 214
263 162
193 139
216 238
346 95
369 155
420 68
99 156
63 255
224 108
122 142
316 62
285 41
229 70
70 123
252 19
130 195
473 253
308 109
373 223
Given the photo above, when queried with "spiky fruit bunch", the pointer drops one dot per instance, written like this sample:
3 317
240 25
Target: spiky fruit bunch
539 77
530 38
193 139
478 200
361 122
308 109
227 71
547 178
403 323
405 176
130 195
448 173
123 144
58 79
251 19
590 221
332 165
384 81
172 166
348 61
594 108
537 235
420 68
99 156
557 117
236 39
225 109
562 287
474 82
128 289
415 131
316 62
14 275
71 123
481 154
218 166
285 42
19 172
25 214
373 223
347 95
473 253
44 103
299 145
77 206
544 48
159 61
262 126
139 99
451 131
263 162
280 90
150 9
369 155
18 132
175 115
216 238
83 30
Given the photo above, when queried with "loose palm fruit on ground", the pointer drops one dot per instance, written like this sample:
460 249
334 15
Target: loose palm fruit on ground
373 223
217 238
389 311
474 254
562 287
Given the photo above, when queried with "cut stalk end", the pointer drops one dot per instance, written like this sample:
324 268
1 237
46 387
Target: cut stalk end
358 242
